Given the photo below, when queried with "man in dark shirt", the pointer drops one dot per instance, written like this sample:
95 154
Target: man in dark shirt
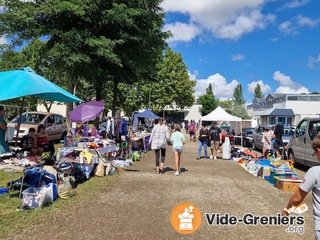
278 132
215 140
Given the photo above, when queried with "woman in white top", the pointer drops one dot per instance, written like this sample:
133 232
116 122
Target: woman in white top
158 141
178 140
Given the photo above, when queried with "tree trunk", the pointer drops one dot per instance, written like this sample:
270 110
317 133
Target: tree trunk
72 89
114 102
98 98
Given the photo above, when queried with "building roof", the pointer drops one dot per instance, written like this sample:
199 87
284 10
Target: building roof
280 112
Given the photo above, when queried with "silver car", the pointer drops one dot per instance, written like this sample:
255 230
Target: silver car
258 131
299 149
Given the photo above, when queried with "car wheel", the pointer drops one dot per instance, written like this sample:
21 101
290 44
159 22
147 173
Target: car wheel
245 143
292 158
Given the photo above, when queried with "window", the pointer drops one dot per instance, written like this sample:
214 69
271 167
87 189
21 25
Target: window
58 119
301 129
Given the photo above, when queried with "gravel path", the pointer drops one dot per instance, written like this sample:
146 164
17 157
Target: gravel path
139 203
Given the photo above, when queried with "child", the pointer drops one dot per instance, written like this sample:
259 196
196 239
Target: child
178 140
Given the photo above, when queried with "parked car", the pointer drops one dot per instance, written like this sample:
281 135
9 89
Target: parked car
55 124
299 149
246 135
257 136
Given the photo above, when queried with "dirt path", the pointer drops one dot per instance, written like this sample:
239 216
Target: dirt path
139 203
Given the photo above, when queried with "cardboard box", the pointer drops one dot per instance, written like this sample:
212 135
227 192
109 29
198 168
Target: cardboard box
286 185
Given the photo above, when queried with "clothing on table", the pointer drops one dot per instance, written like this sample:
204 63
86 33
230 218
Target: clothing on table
4 145
159 136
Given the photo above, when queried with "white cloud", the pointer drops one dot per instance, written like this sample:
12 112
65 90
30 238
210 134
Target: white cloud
237 57
226 19
274 39
288 28
306 21
299 21
221 88
296 3
182 32
265 88
314 61
287 85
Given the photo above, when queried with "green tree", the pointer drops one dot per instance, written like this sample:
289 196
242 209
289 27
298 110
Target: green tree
209 89
170 87
258 92
240 111
208 101
238 95
104 42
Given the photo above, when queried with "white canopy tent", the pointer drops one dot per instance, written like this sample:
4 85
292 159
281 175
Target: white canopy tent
221 115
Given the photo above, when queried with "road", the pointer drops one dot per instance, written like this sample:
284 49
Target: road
139 203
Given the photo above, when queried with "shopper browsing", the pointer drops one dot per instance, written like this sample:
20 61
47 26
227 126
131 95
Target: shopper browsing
158 142
178 140
203 141
215 140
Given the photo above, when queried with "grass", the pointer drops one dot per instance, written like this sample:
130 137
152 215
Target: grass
13 221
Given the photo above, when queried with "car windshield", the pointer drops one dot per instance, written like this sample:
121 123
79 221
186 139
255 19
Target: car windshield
248 130
30 118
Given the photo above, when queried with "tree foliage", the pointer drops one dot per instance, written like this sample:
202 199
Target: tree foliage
170 87
258 92
208 101
103 42
238 95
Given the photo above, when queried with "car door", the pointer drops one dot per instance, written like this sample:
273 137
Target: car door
50 127
60 126
299 141
259 142
313 130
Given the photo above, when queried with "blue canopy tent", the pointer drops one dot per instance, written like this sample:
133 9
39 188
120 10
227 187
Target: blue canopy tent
25 82
147 114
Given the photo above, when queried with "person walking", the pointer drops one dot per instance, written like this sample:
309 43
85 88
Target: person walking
203 141
4 145
158 142
178 140
215 140
192 131
311 182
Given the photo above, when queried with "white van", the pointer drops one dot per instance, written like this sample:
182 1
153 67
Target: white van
299 148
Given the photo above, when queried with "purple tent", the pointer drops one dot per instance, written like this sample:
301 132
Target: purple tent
87 111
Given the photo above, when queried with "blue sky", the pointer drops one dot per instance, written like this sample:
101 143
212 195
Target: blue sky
273 43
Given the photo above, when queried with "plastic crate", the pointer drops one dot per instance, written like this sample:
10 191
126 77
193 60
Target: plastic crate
35 197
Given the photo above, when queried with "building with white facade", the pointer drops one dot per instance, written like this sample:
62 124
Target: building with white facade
288 109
